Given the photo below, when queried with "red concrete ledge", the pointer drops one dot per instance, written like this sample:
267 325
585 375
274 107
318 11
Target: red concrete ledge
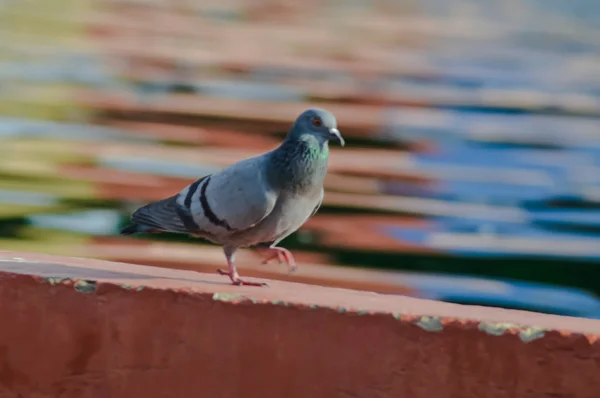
75 327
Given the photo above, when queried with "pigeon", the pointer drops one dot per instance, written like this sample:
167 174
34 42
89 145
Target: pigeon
256 202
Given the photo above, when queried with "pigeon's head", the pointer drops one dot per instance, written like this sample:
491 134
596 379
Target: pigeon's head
320 123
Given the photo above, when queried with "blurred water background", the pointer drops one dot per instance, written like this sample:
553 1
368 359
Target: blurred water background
470 174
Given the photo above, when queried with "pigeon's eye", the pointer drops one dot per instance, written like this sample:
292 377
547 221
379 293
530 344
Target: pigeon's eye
317 122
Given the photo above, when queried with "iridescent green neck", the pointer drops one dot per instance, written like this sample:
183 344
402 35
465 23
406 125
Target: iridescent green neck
299 163
314 149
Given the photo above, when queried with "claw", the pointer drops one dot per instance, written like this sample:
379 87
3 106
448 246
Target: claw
281 254
278 255
235 279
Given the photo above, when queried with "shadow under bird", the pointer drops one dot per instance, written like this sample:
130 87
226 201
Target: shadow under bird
257 201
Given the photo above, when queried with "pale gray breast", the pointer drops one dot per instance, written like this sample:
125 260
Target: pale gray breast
290 212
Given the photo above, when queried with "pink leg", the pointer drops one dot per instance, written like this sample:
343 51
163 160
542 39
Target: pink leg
233 275
280 254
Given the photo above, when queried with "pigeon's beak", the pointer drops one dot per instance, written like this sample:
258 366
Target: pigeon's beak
335 135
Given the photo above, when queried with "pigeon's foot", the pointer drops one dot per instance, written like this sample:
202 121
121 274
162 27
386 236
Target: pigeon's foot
282 255
235 279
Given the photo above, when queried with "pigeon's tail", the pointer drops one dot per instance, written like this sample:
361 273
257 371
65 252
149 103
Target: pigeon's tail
159 216
138 228
131 229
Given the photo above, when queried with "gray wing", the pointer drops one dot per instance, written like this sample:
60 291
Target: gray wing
231 200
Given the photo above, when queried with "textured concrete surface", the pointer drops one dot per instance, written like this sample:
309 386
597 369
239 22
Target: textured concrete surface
74 327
